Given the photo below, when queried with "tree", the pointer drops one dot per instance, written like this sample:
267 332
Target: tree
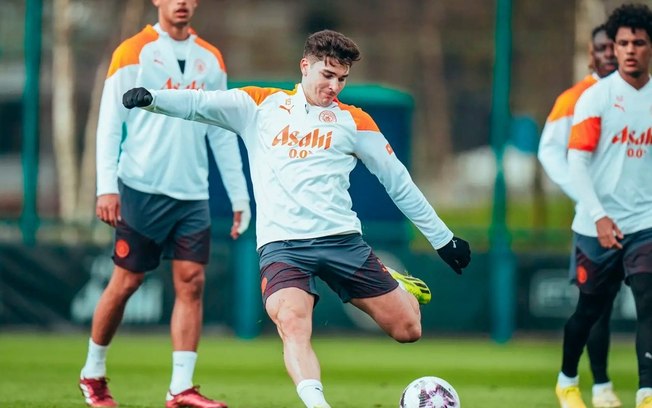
75 174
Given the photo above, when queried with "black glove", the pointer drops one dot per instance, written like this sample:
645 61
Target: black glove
137 97
457 254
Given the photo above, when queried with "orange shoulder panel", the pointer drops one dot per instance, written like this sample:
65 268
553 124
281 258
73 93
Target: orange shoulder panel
213 50
586 134
565 103
128 53
361 118
259 94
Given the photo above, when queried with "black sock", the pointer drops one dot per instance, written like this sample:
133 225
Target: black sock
597 345
641 285
576 331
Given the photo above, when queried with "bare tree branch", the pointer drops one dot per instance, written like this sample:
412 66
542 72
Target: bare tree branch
131 20
63 113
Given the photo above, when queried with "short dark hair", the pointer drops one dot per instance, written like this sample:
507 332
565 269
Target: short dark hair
598 29
634 16
331 44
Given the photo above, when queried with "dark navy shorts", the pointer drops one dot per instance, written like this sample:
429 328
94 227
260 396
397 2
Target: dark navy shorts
600 270
572 266
153 225
345 262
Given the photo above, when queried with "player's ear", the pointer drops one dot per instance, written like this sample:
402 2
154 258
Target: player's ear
304 64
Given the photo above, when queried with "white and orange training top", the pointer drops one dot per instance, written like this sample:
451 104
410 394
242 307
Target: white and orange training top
610 156
159 154
553 145
301 156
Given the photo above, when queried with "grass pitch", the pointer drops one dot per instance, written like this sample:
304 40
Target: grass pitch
41 370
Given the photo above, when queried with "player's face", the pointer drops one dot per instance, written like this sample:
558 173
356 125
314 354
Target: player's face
633 51
604 59
322 80
177 13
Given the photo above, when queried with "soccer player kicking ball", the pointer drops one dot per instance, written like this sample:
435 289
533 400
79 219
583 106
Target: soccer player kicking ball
302 145
610 163
553 150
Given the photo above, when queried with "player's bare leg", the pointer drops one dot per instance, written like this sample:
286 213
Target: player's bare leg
185 329
106 320
396 312
291 311
111 306
186 320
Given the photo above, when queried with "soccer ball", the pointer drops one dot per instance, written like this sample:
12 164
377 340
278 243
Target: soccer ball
429 392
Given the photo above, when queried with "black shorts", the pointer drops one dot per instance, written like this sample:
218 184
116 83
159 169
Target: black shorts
345 262
600 270
155 224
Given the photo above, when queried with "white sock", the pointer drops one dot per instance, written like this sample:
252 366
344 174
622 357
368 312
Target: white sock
311 393
183 367
598 388
95 366
643 393
564 381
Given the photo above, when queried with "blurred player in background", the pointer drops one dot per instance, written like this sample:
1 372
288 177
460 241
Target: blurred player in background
153 188
302 145
553 150
610 163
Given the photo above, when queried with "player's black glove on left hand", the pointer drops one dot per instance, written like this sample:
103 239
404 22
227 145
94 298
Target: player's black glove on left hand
457 254
137 97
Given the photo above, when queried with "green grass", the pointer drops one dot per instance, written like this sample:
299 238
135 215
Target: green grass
41 370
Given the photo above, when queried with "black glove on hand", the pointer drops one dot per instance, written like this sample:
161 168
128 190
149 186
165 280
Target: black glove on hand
457 254
137 97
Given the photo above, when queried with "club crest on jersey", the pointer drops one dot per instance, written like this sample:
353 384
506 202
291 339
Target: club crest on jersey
327 116
200 66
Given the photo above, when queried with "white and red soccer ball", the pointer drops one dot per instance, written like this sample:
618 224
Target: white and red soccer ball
429 392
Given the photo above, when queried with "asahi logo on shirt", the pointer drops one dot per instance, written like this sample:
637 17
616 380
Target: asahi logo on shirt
636 142
302 145
169 84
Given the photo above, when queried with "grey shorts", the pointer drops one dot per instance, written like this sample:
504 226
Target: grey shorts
153 225
346 263
601 270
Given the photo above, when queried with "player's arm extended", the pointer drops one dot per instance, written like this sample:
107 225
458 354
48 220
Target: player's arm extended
553 148
232 110
376 153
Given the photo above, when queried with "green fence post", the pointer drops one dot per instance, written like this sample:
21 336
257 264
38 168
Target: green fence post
247 315
31 97
501 258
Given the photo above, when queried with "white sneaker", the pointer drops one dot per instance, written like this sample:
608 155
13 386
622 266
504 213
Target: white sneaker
606 398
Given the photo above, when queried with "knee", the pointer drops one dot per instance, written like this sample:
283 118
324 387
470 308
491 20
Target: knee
407 332
641 285
591 307
293 323
189 283
125 283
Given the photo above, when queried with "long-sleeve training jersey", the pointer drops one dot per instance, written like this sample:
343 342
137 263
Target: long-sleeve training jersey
553 146
609 156
301 156
159 154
